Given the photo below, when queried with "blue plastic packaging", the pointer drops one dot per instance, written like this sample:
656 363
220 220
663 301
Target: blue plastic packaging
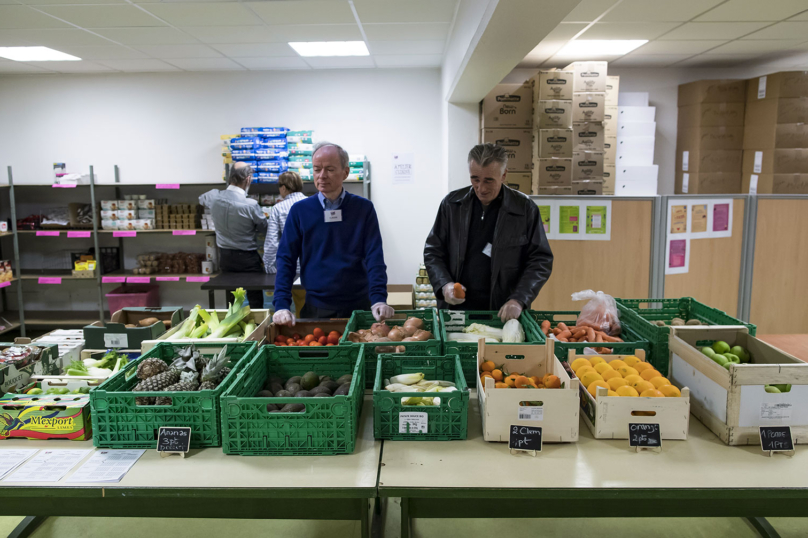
243 143
270 132
271 166
265 154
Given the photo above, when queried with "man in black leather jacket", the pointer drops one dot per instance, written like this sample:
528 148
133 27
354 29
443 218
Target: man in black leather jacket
490 238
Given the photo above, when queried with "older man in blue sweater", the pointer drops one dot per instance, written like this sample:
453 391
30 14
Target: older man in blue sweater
337 239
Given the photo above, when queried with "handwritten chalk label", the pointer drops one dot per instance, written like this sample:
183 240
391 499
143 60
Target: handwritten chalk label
197 279
776 439
42 233
49 280
525 438
124 233
173 439
78 235
64 185
5 284
113 279
183 232
167 279
644 435
138 280
167 186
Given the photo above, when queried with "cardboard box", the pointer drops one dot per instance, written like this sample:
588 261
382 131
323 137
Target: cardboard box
552 143
609 176
518 144
645 187
116 334
399 296
500 408
636 128
775 161
589 187
260 316
588 76
710 138
553 191
636 151
553 84
508 105
775 136
777 85
587 165
733 403
712 115
637 173
775 184
610 120
612 90
555 114
520 181
629 114
14 375
304 327
784 110
588 107
696 161
587 137
712 91
46 417
553 172
707 183
610 150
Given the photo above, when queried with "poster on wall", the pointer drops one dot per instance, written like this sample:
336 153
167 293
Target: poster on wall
569 220
693 219
403 164
698 218
678 219
677 256
546 215
579 221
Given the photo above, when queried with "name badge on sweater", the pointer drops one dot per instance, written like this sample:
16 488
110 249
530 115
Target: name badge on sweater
333 216
487 250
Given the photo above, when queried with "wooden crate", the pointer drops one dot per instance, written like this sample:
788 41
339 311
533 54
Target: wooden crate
500 407
608 417
304 327
733 403
262 321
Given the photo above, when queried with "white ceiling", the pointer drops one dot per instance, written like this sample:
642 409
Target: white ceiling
686 33
222 35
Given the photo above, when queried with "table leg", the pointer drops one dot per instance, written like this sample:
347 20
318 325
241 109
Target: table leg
763 527
27 526
212 299
377 523
405 518
364 521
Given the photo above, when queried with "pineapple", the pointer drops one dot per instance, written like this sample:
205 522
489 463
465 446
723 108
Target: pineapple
158 382
213 370
223 374
144 401
150 367
208 385
176 387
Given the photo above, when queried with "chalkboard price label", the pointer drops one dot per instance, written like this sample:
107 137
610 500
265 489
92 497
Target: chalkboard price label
644 436
173 440
776 439
527 438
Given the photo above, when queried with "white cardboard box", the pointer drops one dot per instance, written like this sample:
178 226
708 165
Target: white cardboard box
632 99
637 173
646 187
612 90
636 128
627 114
636 151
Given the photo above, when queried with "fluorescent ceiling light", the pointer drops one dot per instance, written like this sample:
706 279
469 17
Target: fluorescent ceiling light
35 54
600 47
330 48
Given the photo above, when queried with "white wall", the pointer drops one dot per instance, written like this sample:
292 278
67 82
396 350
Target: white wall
166 128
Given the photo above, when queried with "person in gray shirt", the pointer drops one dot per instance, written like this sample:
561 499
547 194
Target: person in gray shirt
238 220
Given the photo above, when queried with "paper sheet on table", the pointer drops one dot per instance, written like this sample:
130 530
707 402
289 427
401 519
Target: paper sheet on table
12 458
106 466
48 466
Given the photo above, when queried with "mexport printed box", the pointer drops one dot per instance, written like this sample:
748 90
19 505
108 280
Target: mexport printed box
39 416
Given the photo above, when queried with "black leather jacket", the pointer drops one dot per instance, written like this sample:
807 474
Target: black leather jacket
521 259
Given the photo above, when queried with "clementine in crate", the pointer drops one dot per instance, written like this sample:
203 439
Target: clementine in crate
659 382
497 374
552 382
488 366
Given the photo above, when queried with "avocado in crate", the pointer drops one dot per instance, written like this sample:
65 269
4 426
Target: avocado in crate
171 385
291 401
420 399
409 332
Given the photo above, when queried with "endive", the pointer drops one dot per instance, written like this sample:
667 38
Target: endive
407 379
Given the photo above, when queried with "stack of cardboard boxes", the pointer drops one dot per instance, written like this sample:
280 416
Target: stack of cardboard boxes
507 120
610 133
775 143
710 137
636 173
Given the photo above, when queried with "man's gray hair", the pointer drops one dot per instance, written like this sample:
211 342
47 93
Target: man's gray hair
239 174
344 160
485 154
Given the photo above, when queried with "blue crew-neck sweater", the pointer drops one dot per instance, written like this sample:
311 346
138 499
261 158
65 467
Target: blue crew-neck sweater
341 263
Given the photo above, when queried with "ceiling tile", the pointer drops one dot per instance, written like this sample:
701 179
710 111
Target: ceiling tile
552 43
164 52
372 11
713 30
146 36
754 10
713 60
203 14
103 16
78 67
260 64
406 47
561 61
801 17
231 34
658 10
206 64
409 60
11 68
27 18
255 50
627 30
57 2
649 60
339 62
111 52
677 47
405 32
138 66
782 30
749 46
589 10
308 12
52 38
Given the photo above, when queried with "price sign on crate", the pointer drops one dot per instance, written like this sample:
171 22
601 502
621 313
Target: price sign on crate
776 439
413 422
526 438
644 436
173 440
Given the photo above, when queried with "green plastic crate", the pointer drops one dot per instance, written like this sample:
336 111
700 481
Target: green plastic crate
457 320
362 319
631 339
328 425
445 422
639 315
118 422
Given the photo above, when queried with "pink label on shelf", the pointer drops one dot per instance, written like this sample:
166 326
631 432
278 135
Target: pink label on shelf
64 185
113 279
184 232
167 278
5 284
124 233
50 280
41 233
197 279
138 279
78 235
167 186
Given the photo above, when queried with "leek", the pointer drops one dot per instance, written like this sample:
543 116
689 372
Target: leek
187 326
210 318
248 330
199 332
230 321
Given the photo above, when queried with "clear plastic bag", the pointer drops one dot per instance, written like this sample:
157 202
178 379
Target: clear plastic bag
600 312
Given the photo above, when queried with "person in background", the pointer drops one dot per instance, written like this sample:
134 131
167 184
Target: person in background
490 238
238 220
336 237
291 187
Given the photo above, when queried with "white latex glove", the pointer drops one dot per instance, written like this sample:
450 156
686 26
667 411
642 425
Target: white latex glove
284 317
381 311
510 310
449 296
